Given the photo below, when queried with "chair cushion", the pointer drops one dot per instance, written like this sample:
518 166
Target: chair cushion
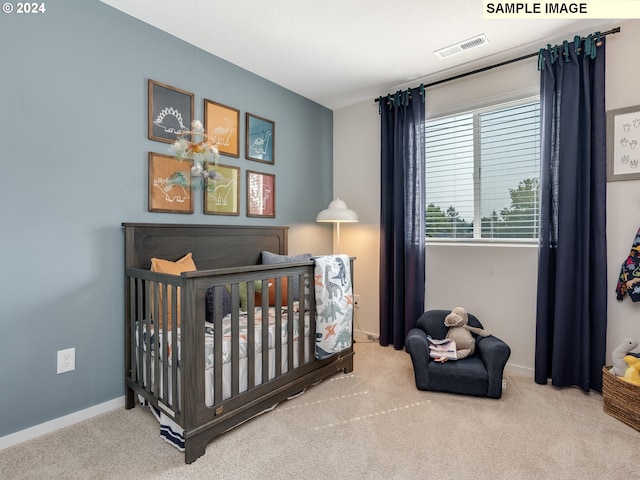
467 376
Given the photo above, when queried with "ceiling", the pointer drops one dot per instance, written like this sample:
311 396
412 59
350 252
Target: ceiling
341 52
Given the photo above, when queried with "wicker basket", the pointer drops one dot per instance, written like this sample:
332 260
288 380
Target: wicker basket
621 399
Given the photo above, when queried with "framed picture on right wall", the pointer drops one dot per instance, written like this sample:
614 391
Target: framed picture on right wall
623 144
260 139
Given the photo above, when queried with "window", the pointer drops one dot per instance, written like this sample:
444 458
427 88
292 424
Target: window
483 173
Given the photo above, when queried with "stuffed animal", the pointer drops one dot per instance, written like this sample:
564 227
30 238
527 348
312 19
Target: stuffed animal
632 375
619 367
460 332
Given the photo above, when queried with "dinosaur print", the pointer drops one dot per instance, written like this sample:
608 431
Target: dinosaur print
342 273
331 330
331 312
333 288
343 339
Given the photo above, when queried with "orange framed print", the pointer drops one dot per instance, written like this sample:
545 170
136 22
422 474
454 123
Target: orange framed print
170 112
221 124
222 192
261 194
169 184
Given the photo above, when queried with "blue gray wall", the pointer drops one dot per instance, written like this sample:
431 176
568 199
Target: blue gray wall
73 120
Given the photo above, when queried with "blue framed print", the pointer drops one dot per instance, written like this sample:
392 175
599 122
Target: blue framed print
260 135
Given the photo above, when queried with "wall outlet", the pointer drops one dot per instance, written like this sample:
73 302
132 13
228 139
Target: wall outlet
504 384
356 301
66 360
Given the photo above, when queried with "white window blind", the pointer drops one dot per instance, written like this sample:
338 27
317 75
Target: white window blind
482 173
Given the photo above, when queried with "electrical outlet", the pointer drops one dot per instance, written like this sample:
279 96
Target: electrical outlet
356 301
66 360
504 384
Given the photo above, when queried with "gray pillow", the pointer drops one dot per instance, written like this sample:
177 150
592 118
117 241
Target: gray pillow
269 258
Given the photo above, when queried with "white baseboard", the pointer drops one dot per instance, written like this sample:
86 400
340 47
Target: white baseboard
365 336
519 370
61 422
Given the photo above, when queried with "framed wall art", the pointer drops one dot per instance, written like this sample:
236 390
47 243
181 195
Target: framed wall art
169 184
170 111
260 136
623 144
222 194
221 124
261 194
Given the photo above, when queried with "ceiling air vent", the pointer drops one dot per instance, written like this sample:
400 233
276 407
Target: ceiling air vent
463 46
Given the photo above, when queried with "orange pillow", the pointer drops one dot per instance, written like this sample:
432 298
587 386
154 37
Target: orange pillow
272 292
158 265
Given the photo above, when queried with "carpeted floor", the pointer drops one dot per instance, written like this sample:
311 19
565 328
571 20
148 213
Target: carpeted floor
370 424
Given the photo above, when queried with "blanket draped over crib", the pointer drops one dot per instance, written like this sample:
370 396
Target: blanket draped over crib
334 304
629 279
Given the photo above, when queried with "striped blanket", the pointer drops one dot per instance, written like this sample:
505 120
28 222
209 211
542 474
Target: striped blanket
334 305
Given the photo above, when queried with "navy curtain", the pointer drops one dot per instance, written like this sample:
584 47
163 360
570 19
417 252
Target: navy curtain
402 214
571 319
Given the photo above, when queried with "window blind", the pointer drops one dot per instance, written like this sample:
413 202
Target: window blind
482 173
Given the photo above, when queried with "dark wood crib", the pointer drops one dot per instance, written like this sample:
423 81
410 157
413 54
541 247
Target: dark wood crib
226 257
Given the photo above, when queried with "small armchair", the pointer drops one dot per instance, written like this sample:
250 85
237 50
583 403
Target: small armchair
479 374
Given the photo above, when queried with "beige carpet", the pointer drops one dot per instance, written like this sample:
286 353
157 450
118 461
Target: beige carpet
370 424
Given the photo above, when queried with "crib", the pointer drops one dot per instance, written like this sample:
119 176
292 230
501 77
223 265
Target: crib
207 384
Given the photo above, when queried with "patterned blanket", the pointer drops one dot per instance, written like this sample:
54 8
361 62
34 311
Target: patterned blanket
334 305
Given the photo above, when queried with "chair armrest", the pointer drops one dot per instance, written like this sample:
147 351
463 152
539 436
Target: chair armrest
494 353
417 346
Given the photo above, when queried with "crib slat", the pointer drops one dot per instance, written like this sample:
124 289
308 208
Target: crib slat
265 340
302 306
135 294
290 322
175 356
278 327
145 334
251 343
235 351
217 347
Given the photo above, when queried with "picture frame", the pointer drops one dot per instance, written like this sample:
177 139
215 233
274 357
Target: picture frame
623 144
169 184
170 111
261 194
260 134
221 123
222 194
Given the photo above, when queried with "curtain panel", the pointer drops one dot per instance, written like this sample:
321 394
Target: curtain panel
571 318
402 214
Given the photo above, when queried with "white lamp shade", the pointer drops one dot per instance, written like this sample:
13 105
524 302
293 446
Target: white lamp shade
337 213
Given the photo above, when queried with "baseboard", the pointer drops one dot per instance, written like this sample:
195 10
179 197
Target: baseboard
363 336
58 423
519 370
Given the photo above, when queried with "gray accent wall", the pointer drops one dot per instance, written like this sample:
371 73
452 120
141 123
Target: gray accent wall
73 126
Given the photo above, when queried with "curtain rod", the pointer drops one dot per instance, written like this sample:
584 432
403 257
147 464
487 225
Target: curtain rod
506 62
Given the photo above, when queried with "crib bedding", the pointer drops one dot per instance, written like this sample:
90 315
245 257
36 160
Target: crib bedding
243 351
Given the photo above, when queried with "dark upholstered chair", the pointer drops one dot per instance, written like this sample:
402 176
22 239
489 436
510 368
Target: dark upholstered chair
479 374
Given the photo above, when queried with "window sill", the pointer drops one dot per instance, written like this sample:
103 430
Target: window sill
482 243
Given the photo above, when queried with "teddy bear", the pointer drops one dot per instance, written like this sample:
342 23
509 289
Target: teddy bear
619 367
460 332
632 375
